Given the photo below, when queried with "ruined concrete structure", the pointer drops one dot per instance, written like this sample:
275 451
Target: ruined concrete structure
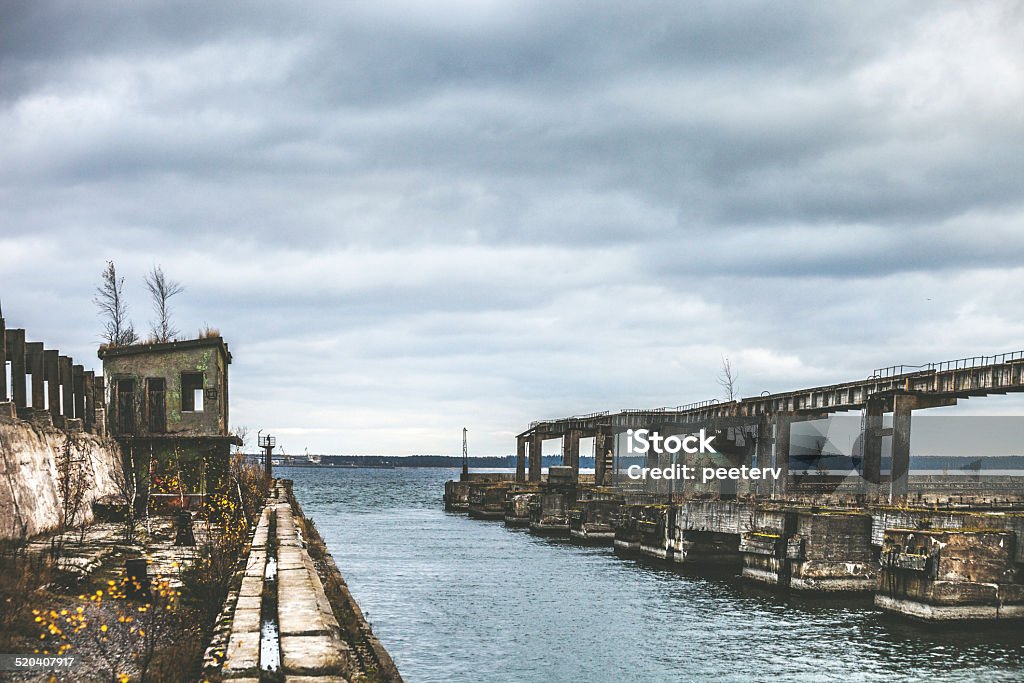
51 419
928 547
47 388
168 402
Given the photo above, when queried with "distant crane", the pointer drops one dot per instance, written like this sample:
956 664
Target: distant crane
465 453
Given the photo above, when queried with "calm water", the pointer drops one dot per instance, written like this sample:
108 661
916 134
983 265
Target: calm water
455 599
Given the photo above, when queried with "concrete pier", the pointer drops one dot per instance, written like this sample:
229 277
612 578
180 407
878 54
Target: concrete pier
281 624
950 574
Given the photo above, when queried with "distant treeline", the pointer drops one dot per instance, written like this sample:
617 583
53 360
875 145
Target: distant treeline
505 461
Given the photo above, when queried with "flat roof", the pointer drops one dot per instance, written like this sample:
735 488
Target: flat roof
164 347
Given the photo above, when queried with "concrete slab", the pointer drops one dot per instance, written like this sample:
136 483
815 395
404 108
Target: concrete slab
311 655
246 621
242 657
248 602
252 586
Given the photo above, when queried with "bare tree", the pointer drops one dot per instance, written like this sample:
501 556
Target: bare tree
117 328
162 288
728 380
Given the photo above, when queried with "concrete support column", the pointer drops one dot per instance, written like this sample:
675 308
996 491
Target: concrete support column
89 385
521 458
100 397
67 408
571 452
873 440
51 372
16 354
4 395
536 450
600 437
903 405
763 454
34 360
782 425
78 389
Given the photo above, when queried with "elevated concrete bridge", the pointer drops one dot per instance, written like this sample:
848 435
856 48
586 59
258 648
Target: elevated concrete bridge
764 421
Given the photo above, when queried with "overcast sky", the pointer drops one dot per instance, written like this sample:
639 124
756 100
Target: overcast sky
406 218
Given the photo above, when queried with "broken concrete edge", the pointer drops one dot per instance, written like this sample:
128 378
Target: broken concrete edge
386 669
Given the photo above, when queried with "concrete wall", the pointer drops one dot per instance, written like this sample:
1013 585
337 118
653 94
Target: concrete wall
29 500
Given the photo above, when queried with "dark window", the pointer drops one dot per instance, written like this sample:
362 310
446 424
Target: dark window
156 404
192 392
126 406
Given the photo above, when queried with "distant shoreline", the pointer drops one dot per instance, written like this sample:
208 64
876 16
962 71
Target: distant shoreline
391 462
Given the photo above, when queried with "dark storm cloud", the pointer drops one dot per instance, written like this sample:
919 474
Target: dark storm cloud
499 211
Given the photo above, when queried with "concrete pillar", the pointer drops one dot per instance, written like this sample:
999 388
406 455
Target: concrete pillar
782 425
78 389
600 438
536 451
763 454
100 397
89 386
51 372
571 452
16 354
873 440
34 360
521 458
4 395
67 408
903 405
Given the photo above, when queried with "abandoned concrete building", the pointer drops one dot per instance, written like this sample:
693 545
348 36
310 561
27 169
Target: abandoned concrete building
167 404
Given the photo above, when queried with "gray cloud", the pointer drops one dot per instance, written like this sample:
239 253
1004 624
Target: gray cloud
411 217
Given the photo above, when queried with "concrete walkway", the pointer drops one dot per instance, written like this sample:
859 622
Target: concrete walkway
311 648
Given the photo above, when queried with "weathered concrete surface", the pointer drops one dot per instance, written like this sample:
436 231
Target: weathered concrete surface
310 636
281 573
29 498
517 507
549 515
950 574
488 501
593 520
242 654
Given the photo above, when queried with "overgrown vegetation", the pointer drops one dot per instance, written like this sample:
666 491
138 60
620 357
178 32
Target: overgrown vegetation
121 629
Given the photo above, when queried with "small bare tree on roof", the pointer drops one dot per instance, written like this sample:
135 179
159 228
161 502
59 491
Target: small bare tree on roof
117 328
728 380
162 288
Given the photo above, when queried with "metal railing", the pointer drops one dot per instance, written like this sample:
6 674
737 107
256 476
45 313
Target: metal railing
947 365
588 416
671 409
